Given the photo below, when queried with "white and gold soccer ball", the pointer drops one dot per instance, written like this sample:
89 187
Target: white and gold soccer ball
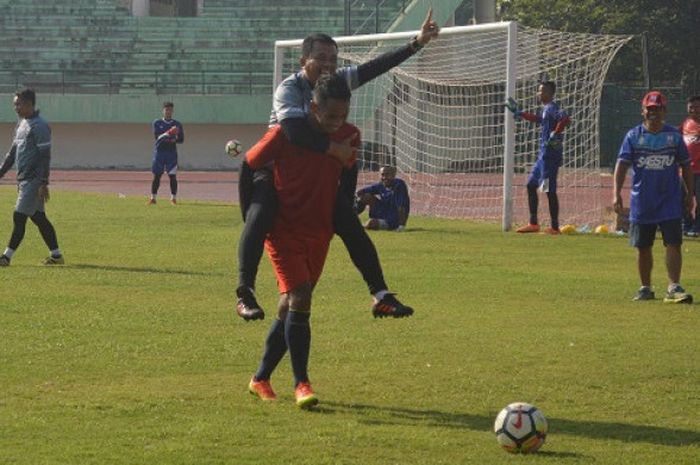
233 148
520 428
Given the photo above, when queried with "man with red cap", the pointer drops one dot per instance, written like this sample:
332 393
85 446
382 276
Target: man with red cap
655 151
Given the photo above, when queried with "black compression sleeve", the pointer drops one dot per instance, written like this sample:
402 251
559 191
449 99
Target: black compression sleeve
383 63
299 133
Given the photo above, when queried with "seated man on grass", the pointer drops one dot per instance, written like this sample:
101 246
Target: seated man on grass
388 202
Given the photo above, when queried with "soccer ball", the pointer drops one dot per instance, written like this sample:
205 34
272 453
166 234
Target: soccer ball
520 428
568 229
233 148
601 229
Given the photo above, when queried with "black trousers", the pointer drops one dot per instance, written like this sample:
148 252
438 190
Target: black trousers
258 202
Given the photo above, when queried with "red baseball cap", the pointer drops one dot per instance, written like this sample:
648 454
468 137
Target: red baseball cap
654 99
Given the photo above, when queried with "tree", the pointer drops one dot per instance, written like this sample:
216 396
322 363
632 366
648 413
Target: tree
672 27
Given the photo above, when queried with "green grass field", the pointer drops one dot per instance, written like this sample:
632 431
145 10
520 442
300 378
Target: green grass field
132 354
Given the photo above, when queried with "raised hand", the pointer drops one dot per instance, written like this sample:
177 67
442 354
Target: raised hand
428 30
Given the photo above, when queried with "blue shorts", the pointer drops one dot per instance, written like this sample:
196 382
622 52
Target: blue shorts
544 175
164 163
643 235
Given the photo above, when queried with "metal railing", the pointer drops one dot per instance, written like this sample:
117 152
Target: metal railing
371 19
88 81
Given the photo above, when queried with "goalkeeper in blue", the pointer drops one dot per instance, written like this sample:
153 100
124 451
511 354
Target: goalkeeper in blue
543 175
168 133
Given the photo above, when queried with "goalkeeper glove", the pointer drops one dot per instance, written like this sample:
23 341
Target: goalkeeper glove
512 106
554 141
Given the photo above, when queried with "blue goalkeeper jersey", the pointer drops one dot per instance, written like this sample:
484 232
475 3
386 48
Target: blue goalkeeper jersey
656 193
167 144
549 118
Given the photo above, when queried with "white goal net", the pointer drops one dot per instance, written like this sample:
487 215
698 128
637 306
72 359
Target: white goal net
439 117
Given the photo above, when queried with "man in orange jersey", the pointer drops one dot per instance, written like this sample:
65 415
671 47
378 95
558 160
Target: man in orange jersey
306 183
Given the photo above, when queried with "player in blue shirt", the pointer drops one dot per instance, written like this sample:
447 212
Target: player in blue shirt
388 201
655 151
168 133
553 121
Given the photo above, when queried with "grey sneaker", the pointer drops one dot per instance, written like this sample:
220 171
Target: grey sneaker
678 296
51 260
644 293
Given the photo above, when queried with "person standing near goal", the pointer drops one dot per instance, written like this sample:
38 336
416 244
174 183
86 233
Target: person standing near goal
655 151
257 197
545 170
31 148
168 133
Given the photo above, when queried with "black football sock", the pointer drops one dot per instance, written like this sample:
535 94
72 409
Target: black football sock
259 218
46 229
532 203
553 208
173 184
275 348
19 226
297 333
359 245
155 184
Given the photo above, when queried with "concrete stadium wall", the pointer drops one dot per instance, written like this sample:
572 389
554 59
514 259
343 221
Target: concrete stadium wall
129 146
143 108
114 131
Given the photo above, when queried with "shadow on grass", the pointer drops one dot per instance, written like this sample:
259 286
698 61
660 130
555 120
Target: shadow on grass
135 269
625 432
207 203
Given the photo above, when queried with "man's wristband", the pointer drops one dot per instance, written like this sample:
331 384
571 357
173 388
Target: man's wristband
415 46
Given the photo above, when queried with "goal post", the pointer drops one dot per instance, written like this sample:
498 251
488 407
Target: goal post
439 116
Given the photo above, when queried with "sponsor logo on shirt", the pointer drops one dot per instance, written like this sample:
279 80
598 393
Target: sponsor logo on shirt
655 162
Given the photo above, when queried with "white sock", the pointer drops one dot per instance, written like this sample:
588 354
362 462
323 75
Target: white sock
172 197
9 252
673 286
153 196
56 253
380 295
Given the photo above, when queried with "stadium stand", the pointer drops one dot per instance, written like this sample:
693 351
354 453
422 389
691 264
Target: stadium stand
102 73
97 47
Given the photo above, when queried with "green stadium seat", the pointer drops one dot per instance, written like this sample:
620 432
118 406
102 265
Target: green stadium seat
86 46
